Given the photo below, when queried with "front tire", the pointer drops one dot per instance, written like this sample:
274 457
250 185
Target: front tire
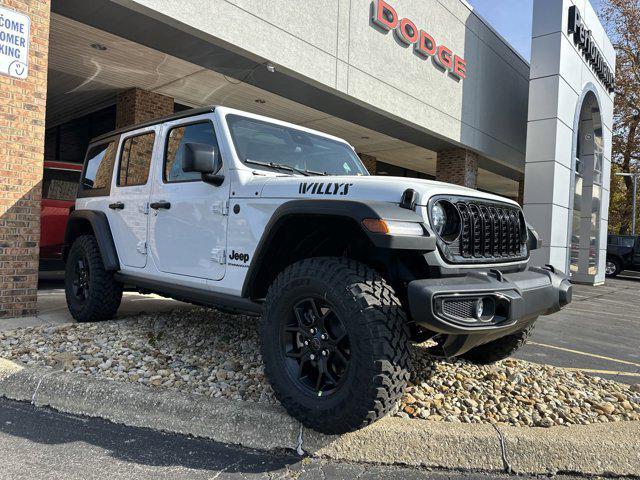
499 349
92 293
612 267
334 344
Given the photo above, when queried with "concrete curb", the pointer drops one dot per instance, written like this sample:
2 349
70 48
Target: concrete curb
605 449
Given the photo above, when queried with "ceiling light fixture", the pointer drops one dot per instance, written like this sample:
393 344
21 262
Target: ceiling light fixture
98 46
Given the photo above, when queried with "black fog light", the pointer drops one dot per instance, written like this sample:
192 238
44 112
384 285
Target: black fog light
565 293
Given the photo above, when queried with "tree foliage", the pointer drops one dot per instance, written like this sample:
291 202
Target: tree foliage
622 20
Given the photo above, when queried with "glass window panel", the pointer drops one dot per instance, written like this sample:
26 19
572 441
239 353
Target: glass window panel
178 137
135 160
100 161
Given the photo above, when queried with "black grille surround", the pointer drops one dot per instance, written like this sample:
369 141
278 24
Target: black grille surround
490 232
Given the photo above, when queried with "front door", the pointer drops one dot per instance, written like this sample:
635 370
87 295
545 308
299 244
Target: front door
188 227
130 195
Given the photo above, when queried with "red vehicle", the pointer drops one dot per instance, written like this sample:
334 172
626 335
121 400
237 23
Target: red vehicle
59 186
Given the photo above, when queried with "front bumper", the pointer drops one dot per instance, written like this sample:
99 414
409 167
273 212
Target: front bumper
482 306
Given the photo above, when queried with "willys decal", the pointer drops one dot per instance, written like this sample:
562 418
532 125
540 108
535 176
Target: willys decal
322 188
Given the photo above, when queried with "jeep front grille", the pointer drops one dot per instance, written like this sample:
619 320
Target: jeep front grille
489 233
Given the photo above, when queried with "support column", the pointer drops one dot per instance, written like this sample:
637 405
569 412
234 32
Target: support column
520 199
370 162
22 118
137 106
458 166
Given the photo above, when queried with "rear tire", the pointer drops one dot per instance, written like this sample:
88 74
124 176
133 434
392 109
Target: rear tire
612 267
499 349
356 364
92 293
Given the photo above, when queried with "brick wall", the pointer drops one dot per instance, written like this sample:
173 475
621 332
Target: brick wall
370 162
520 198
22 117
137 106
458 166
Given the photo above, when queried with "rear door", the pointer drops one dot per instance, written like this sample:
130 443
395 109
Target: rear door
128 204
188 233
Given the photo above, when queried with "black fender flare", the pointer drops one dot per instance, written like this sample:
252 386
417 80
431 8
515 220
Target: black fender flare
101 230
351 209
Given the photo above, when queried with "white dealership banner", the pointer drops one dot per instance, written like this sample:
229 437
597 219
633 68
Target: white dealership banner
14 43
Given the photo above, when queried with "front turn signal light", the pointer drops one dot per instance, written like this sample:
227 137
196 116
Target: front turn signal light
392 227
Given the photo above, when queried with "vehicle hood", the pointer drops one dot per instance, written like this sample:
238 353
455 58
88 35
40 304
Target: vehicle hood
363 188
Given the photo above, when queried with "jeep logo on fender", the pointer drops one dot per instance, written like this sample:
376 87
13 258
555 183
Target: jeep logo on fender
424 45
321 188
242 257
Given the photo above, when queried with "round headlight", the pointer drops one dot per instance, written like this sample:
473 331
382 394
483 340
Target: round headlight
445 220
438 218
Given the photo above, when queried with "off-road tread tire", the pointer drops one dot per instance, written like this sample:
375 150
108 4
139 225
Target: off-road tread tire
384 363
105 293
499 349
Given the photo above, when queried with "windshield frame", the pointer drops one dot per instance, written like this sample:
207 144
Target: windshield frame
287 126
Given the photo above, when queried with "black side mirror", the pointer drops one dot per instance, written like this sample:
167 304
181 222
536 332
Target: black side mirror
203 158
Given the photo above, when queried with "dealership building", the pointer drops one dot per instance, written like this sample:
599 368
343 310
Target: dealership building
420 88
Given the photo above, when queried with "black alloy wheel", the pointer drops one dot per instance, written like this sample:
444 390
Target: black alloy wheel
81 278
316 347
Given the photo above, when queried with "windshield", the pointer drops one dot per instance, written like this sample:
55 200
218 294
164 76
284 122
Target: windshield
257 142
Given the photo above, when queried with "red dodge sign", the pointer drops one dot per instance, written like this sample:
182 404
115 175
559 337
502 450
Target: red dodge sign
386 17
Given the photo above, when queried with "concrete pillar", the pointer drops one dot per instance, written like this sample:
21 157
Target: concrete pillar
458 166
22 116
561 83
370 162
137 106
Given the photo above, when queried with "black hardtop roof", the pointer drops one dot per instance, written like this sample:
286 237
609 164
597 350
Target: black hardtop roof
175 116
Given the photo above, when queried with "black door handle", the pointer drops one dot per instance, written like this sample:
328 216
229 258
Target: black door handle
161 204
116 206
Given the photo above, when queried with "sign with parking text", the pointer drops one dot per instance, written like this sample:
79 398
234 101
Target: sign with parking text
14 43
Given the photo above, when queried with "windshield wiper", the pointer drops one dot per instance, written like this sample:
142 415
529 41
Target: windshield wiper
284 166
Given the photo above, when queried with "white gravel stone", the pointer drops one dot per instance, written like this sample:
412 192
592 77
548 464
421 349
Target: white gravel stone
210 353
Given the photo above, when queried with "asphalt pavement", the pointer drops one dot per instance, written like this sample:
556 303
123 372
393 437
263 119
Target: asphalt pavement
598 333
37 443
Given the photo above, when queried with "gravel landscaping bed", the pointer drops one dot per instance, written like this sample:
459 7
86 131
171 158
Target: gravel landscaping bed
210 353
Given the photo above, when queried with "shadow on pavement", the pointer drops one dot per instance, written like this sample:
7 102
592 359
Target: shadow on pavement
135 445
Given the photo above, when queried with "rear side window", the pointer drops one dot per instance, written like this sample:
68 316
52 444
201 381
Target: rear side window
98 168
135 160
627 241
177 138
60 184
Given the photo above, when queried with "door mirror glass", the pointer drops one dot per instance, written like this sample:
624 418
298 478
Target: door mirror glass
204 159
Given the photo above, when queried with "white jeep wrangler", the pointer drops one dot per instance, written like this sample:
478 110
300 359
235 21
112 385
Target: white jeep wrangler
251 215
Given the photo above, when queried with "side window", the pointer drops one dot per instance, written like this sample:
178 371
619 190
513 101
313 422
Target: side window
135 160
99 166
60 184
176 139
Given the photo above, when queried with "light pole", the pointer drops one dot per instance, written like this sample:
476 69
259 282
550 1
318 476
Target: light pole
635 191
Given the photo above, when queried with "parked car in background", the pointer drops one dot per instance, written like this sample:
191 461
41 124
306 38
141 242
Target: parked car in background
59 187
623 253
